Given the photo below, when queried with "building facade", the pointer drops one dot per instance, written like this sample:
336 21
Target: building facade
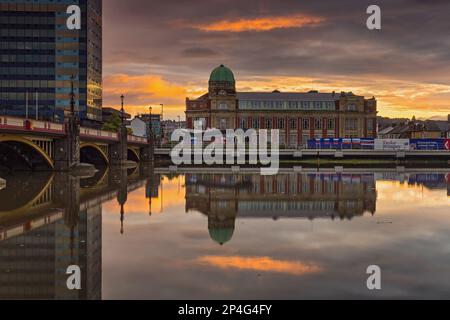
40 57
140 126
298 116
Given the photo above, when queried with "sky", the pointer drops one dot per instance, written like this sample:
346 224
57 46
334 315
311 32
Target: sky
160 52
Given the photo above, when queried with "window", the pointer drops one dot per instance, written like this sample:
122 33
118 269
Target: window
293 140
223 106
331 124
281 123
268 123
351 124
370 125
351 108
318 124
222 124
293 124
244 123
306 124
256 123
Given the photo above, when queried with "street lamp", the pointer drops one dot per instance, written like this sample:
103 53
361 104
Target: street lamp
179 122
72 97
150 125
122 110
162 112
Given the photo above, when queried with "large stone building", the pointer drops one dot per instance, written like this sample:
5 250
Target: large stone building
298 116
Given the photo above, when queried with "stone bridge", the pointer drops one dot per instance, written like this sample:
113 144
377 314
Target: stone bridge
61 147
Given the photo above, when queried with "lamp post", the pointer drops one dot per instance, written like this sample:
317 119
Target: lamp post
162 112
179 122
150 125
72 97
122 110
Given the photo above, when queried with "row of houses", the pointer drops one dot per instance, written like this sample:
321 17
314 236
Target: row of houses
413 129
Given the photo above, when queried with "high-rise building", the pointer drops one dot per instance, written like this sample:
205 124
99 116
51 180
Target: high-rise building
40 58
298 116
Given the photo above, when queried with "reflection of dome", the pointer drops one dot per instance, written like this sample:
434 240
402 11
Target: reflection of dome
221 235
222 74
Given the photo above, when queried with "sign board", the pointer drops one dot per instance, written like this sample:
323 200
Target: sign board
392 144
428 144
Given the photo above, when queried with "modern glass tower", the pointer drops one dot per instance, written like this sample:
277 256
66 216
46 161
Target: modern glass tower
39 57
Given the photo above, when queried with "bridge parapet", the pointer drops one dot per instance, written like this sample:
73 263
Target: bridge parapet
137 140
64 140
29 125
98 134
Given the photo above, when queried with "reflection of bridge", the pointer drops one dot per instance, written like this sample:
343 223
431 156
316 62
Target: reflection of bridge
59 146
58 224
46 206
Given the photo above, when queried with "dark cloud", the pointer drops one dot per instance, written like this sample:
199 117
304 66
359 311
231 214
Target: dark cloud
198 53
414 43
163 38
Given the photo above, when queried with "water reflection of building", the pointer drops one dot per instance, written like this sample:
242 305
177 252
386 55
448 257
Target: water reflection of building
33 264
224 197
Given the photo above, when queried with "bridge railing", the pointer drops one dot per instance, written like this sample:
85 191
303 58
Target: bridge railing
24 125
13 123
100 134
137 139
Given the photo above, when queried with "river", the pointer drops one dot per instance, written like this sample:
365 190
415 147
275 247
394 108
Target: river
147 233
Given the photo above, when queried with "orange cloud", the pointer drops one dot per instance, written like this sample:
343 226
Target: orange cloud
142 91
263 24
264 264
396 98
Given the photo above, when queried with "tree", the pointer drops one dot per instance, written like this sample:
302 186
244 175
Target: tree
113 123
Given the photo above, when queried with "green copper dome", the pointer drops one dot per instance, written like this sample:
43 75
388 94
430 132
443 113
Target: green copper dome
221 235
222 74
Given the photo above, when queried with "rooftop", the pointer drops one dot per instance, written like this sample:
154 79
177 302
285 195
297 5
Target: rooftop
288 96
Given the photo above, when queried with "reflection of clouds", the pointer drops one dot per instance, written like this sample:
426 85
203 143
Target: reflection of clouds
264 264
404 196
155 259
172 197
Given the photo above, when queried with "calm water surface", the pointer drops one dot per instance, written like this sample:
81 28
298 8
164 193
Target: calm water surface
138 234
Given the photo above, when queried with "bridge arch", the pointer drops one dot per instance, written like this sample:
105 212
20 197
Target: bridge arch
92 146
13 138
133 155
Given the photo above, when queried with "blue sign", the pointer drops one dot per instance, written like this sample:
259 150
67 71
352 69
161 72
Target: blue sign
428 144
